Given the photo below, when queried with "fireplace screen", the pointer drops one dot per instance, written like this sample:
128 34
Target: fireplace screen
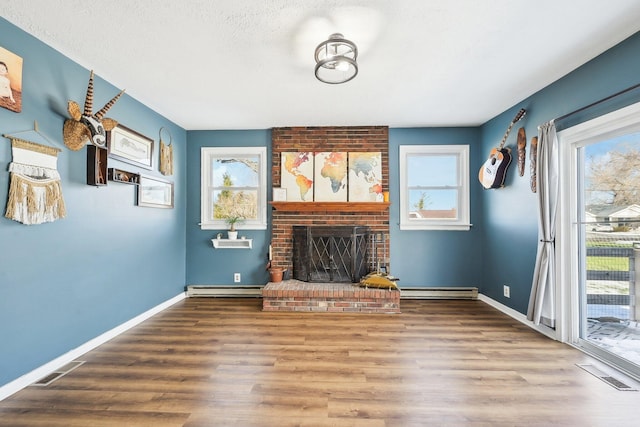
330 254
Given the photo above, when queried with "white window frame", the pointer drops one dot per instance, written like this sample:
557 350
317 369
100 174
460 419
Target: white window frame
207 154
462 223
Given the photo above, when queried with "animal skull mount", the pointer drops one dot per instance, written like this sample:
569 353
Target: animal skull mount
85 126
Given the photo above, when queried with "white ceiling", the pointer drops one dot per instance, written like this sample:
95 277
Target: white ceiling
243 64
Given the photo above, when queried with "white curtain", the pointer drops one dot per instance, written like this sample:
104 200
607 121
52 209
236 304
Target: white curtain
542 307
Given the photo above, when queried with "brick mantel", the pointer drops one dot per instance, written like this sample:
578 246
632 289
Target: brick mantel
323 139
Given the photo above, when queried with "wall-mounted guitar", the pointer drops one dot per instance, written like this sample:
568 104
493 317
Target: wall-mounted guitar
494 170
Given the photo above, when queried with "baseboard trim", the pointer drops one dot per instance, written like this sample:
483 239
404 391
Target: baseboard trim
33 376
439 293
544 330
195 291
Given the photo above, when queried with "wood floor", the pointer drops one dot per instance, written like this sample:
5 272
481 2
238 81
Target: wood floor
224 362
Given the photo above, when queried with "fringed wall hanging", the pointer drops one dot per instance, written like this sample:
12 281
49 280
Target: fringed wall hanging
35 192
166 154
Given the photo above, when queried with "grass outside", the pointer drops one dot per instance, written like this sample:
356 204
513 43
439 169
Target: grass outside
607 263
604 263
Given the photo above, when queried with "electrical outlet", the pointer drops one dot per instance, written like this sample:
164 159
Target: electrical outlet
236 277
506 290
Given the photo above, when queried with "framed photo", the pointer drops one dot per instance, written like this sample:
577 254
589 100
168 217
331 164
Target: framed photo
279 194
130 146
155 192
10 80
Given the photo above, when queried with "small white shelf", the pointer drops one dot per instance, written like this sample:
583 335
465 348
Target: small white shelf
232 244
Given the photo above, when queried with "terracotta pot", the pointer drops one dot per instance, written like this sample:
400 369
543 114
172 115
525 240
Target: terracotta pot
275 274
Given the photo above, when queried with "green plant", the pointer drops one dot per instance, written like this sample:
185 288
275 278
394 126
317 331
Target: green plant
232 220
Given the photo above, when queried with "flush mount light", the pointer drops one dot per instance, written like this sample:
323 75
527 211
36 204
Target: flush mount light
336 60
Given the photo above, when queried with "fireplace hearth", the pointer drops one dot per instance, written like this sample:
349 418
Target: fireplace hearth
330 254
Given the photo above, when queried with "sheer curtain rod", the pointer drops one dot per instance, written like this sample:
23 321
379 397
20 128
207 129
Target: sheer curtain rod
600 101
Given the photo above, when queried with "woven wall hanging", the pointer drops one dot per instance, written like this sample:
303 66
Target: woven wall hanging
166 154
35 191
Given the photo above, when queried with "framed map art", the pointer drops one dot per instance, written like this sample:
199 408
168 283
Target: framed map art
296 175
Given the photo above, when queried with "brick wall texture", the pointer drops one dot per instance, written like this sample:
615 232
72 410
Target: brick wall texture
324 139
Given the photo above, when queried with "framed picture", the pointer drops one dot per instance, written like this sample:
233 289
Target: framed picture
365 177
296 175
330 172
130 146
10 80
155 192
279 194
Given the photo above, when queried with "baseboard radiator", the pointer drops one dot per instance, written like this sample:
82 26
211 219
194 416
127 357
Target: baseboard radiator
194 291
439 293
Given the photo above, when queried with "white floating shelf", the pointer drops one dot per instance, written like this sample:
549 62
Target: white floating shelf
232 244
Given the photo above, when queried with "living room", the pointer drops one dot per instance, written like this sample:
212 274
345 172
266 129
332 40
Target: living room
108 262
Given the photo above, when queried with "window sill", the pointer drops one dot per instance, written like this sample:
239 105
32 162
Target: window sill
435 227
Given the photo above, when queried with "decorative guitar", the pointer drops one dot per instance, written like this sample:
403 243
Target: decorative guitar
494 170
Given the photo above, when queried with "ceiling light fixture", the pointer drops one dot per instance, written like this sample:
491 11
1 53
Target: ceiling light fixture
336 60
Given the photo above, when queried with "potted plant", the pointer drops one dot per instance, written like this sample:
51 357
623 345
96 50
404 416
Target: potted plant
232 220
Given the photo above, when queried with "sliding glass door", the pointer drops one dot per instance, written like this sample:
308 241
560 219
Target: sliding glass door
610 242
603 239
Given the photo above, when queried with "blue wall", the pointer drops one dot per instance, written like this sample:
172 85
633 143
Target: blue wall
66 282
434 258
422 265
510 220
206 265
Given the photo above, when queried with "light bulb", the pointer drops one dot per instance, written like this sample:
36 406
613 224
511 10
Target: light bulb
342 66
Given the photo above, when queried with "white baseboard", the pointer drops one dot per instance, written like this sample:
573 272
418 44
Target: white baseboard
33 376
518 316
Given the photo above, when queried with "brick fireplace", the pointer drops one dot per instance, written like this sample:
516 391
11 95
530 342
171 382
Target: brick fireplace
323 139
297 295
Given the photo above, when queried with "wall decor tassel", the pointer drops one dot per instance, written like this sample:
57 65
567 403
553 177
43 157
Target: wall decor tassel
35 191
166 154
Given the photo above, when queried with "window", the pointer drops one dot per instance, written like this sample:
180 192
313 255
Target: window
434 187
233 184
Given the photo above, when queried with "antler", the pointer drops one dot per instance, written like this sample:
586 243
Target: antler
88 101
108 105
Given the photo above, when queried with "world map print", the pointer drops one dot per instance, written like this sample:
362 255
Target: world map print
296 176
331 177
365 173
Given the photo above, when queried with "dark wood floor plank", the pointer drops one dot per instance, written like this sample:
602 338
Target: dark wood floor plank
224 362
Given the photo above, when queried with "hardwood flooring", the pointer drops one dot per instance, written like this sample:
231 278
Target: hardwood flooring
224 362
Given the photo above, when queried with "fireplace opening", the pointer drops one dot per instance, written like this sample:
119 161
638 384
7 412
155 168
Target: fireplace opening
330 254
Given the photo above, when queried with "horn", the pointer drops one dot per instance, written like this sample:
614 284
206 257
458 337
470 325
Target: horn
108 105
88 101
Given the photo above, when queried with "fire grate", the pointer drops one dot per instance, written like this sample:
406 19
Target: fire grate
330 254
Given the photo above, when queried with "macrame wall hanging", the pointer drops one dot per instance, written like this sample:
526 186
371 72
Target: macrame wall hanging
35 192
166 154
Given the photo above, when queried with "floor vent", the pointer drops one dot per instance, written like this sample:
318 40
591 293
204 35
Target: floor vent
224 291
439 293
612 381
48 379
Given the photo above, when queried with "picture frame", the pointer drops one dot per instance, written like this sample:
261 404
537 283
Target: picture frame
10 80
155 192
279 194
131 147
